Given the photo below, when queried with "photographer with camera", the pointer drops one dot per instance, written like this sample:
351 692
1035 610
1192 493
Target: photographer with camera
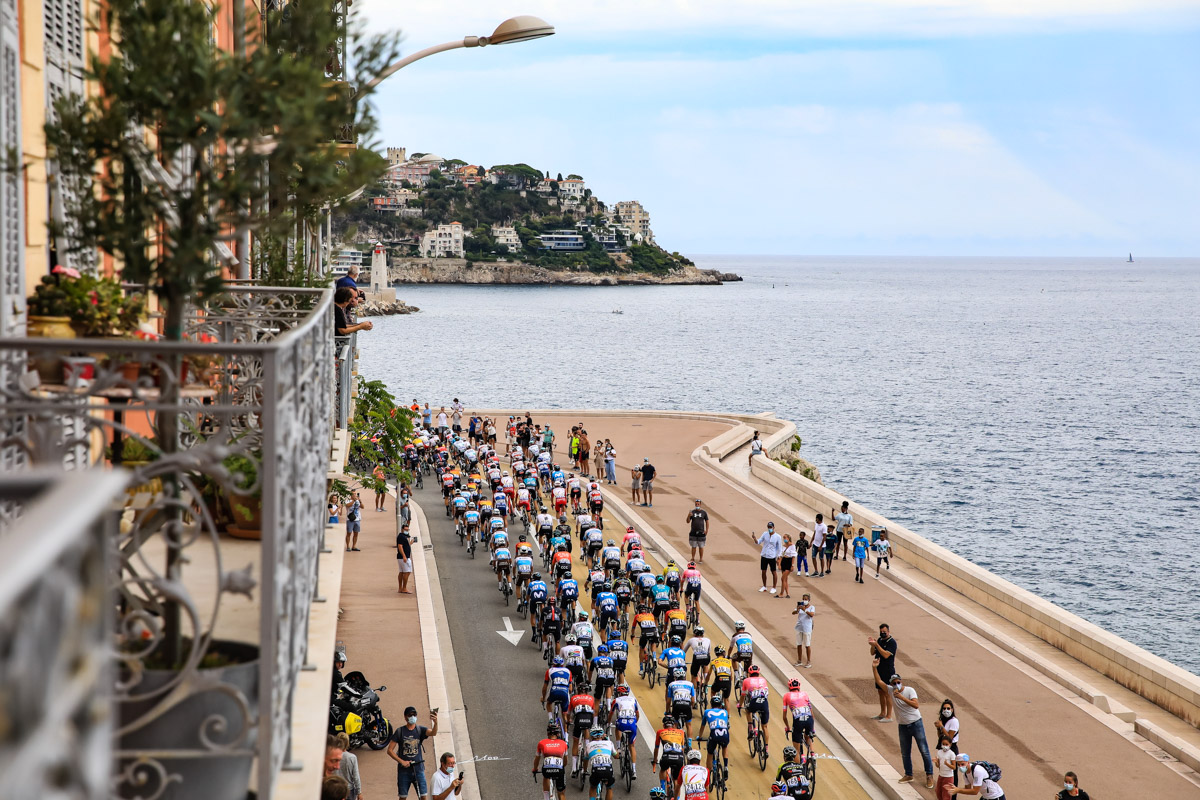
804 613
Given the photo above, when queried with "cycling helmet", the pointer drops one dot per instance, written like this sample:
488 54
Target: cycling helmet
658 793
753 671
698 630
676 641
471 504
605 586
660 579
570 639
558 661
562 517
718 700
596 733
622 690
674 605
671 563
583 616
668 721
789 752
537 576
778 788
562 548
570 474
602 649
630 529
521 538
719 651
794 685
542 509
739 625
693 756
612 542
552 731
643 608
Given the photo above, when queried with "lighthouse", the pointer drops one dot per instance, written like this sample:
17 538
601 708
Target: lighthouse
379 275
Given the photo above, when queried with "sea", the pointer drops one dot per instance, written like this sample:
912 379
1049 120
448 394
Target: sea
1038 416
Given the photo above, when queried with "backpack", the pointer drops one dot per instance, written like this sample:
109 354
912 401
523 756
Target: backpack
993 771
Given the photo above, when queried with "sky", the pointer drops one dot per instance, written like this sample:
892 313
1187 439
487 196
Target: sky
849 127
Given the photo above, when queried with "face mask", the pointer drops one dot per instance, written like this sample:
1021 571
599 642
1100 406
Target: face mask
947 713
963 769
411 720
897 686
1068 786
449 770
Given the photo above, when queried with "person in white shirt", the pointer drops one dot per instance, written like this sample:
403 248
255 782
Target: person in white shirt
443 422
976 782
444 782
756 448
771 544
820 531
910 728
944 760
804 613
843 522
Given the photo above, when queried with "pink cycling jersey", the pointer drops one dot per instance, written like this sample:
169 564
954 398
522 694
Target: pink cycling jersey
691 577
755 688
799 704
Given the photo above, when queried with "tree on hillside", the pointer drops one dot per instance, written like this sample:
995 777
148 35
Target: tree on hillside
574 177
559 175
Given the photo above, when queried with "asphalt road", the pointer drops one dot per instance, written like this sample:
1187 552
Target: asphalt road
501 684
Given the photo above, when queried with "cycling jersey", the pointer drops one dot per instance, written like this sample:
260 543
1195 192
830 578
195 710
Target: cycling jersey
792 774
681 693
583 633
583 709
671 575
595 538
604 671
554 755
743 645
557 475
700 647
471 517
674 658
522 497
568 589
623 589
572 655
611 556
606 603
538 591
503 556
499 540
524 565
754 690
691 577
625 712
600 759
694 782
619 650
671 740
676 618
559 679
662 594
646 582
459 503
717 720
596 498
635 566
545 522
646 623
632 541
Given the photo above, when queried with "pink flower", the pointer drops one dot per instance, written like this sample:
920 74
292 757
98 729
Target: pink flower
68 271
94 296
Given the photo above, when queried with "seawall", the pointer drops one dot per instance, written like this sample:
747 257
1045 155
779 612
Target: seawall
461 271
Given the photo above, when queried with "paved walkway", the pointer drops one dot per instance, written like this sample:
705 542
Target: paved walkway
1010 714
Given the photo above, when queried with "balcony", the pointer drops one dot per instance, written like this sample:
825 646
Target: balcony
199 468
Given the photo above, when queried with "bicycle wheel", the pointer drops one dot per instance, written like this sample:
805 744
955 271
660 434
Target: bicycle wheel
810 769
652 675
761 747
582 770
506 593
627 769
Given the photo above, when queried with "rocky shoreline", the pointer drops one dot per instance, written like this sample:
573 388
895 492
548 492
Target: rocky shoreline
460 271
376 308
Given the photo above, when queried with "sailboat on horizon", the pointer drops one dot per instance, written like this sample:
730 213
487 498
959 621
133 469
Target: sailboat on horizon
1130 261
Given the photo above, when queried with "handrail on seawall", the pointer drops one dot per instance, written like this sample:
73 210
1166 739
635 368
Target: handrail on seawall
1140 671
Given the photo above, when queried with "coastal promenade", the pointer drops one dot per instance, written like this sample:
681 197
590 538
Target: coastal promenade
1011 712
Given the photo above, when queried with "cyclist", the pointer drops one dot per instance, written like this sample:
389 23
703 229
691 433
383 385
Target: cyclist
797 716
573 659
625 714
503 562
622 587
551 626
576 489
595 578
741 645
524 568
559 495
458 504
755 696
603 674
793 774
556 688
485 511
600 763
635 563
524 502
536 593
662 599
544 471
721 670
567 594
606 607
584 633
499 538
545 526
717 720
563 531
581 712
647 628
594 537
658 793
691 587
501 504
779 791
524 548
595 499
681 700
471 519
693 779
645 583
673 576
670 740
610 557
447 488
618 649
676 620
700 645
551 756
632 540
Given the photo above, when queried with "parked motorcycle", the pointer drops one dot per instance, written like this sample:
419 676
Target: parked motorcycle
357 714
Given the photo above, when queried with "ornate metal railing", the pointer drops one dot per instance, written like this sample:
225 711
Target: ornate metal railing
226 434
344 390
56 702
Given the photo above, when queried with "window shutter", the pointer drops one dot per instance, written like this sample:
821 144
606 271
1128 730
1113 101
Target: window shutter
12 212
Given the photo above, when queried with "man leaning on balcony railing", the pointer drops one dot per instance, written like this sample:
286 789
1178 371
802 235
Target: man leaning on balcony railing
342 326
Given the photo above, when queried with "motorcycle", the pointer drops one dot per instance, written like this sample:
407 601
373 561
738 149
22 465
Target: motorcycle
363 720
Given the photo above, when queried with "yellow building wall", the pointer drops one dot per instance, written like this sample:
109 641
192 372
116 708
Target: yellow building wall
33 140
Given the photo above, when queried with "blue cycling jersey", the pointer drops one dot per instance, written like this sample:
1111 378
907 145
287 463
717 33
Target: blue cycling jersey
559 678
606 601
717 720
502 554
603 666
460 502
568 588
618 648
743 644
472 517
500 540
557 475
675 657
524 565
661 592
556 541
681 692
538 590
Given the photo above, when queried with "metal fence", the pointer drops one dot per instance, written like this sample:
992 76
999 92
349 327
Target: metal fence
209 633
344 390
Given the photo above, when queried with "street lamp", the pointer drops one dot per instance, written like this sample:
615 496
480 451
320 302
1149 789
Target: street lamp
517 29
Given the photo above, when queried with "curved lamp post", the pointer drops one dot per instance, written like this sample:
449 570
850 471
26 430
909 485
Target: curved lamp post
517 29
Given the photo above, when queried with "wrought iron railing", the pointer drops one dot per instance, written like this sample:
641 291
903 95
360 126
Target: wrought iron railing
344 390
56 702
225 434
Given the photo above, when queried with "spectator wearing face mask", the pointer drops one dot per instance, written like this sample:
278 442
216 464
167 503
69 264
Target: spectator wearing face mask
407 749
1071 790
444 781
910 728
977 779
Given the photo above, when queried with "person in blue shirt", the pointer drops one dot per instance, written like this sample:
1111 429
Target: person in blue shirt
675 661
717 720
349 280
681 697
860 545
661 598
602 673
605 607
618 650
556 688
535 594
568 593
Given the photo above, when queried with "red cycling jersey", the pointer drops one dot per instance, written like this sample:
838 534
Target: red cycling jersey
553 753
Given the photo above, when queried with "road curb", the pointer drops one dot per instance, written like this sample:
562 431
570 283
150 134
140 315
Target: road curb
441 670
879 774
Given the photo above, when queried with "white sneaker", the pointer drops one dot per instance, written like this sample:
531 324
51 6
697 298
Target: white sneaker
763 589
772 591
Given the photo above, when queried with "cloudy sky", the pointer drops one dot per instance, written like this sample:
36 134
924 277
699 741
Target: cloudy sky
926 127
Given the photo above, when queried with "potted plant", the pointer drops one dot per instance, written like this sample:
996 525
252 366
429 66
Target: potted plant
245 496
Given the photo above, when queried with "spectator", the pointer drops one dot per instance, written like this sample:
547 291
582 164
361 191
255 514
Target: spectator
548 439
349 767
342 326
404 562
427 415
636 484
380 486
820 531
648 473
610 462
910 728
333 755
756 448
947 725
804 613
697 519
585 450
802 553
349 281
860 555
573 447
471 425
353 521
1071 788
457 406
977 781
335 787
883 551
786 558
945 766
768 557
404 496
456 417
843 522
444 781
884 648
334 509
598 458
407 749
443 423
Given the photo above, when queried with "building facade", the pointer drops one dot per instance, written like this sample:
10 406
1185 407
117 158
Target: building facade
631 214
507 237
562 240
444 241
396 156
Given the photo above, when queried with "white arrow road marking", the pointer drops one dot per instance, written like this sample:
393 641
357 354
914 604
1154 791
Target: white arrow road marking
513 637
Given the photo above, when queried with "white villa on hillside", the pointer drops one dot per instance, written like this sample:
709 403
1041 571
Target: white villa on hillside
507 237
445 241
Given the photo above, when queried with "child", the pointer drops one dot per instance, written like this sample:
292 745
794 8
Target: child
883 549
860 546
945 767
802 554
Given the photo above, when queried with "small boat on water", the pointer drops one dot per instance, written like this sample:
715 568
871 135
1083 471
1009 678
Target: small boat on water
617 311
1130 261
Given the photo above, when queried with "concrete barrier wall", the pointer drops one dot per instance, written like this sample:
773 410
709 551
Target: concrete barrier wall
1154 678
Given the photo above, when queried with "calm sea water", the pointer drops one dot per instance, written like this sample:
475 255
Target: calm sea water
1040 417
